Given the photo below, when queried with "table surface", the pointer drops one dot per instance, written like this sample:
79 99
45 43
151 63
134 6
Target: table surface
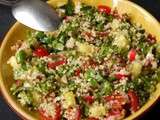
7 20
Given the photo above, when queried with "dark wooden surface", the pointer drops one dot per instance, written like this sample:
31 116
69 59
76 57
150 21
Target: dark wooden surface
7 20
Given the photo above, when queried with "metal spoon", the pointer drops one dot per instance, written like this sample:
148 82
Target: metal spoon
35 14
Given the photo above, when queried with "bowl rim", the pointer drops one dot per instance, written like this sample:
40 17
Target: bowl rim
22 114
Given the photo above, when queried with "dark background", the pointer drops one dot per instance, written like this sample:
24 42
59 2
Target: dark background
7 20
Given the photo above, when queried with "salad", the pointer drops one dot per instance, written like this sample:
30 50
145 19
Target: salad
98 65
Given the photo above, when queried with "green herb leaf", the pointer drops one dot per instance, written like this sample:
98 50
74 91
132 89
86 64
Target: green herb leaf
69 7
21 56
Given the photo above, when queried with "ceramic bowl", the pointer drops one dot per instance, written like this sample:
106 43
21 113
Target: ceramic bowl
18 32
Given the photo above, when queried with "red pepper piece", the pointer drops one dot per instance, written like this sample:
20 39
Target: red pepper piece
104 9
40 52
132 55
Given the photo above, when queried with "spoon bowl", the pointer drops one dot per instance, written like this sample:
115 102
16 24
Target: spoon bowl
35 14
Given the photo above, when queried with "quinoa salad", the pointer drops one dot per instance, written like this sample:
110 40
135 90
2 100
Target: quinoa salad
98 65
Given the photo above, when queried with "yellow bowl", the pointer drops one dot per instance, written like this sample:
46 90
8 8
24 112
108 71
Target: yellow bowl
18 32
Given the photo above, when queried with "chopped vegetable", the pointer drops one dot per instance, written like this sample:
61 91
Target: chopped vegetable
21 56
85 48
40 52
69 100
57 114
104 9
120 76
73 113
97 111
89 99
134 102
69 8
107 88
135 68
132 55
98 65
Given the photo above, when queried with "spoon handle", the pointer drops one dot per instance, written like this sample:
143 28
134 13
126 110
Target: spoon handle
8 2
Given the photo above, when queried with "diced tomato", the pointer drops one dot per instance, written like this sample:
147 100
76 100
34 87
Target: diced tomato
118 98
104 9
43 116
120 76
53 65
134 101
40 52
151 39
89 99
78 114
115 114
109 98
58 113
117 105
132 55
57 116
72 114
92 118
77 72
